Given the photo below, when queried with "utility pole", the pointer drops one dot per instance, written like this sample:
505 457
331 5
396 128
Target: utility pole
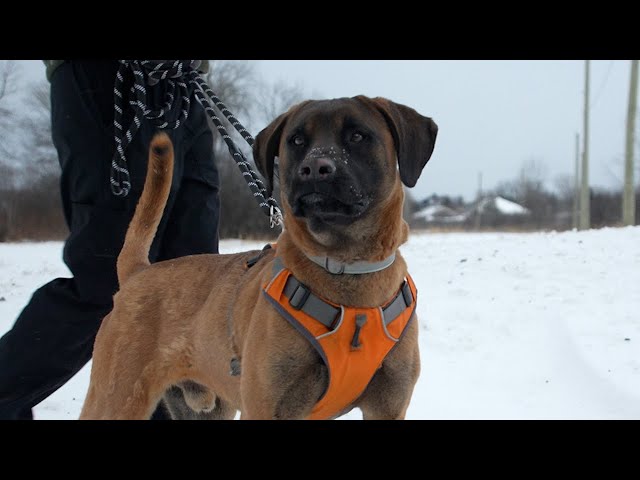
576 184
479 205
628 200
585 207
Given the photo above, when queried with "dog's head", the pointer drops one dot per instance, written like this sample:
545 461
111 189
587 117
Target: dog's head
340 160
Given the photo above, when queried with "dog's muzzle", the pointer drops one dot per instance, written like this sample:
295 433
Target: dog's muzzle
329 201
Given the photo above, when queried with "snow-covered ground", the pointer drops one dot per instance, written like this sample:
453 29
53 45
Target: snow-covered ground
513 326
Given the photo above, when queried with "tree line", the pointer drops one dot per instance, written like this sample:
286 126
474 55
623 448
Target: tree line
549 205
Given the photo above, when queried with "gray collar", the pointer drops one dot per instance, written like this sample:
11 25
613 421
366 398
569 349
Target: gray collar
356 268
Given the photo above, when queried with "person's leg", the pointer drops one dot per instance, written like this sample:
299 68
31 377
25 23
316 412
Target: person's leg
53 336
192 223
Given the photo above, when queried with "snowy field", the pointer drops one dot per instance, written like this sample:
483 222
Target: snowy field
512 326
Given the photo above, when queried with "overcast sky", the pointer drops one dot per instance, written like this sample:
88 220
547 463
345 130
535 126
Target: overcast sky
492 115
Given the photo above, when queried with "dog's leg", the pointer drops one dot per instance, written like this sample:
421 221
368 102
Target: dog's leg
292 401
128 377
135 401
385 412
388 394
129 399
287 390
386 398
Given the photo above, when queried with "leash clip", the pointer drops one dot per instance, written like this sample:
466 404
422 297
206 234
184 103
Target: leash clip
275 216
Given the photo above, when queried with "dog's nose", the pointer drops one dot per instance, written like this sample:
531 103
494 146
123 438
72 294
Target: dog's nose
316 168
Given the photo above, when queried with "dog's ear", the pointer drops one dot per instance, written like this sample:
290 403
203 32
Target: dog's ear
267 142
413 134
265 149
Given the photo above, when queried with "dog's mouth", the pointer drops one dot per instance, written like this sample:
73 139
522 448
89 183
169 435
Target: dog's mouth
328 207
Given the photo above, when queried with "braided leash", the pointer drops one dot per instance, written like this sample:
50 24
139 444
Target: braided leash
205 96
183 80
120 179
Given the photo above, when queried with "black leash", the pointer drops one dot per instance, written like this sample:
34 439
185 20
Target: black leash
183 80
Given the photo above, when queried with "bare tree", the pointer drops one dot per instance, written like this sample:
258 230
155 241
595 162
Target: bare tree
9 76
529 190
532 175
565 188
235 83
9 73
251 99
38 152
274 99
8 89
32 204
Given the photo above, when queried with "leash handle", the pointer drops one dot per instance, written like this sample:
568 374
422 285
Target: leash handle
176 104
183 80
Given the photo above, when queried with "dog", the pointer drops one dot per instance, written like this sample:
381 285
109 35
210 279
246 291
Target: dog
207 336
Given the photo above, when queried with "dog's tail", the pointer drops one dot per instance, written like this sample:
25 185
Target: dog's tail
142 229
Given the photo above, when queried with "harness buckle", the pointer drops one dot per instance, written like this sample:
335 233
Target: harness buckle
299 297
406 293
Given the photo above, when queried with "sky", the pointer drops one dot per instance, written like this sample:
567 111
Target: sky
493 115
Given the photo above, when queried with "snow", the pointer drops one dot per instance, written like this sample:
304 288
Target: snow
508 207
512 326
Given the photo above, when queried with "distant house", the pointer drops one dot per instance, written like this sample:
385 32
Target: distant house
501 206
497 211
492 210
439 214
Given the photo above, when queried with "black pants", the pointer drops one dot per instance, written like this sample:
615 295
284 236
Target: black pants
53 337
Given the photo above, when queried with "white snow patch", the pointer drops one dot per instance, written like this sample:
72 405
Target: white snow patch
508 207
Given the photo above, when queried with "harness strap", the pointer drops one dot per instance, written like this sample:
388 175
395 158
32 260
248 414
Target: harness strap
253 260
399 304
302 298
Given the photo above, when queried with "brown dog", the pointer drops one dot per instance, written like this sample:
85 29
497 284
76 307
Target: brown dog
177 325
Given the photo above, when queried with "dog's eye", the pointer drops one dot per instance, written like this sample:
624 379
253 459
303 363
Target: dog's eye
357 137
297 140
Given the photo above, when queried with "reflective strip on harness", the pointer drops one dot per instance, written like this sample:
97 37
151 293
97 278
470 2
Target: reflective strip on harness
352 342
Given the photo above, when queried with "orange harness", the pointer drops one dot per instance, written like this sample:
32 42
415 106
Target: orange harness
352 341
